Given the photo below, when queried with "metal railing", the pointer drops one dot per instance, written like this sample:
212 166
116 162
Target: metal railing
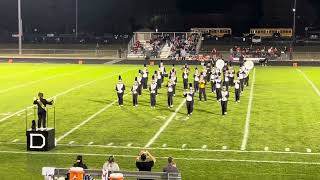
97 174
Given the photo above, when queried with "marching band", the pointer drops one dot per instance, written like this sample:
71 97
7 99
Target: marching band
220 75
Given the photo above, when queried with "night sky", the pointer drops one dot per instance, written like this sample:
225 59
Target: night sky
111 16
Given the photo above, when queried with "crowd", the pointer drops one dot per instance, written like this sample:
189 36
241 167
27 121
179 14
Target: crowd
183 46
145 161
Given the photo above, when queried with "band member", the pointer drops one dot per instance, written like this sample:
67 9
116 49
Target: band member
237 90
139 80
185 76
218 88
145 74
196 80
204 73
170 94
155 78
135 93
202 89
213 82
120 88
159 79
246 77
241 78
173 73
226 80
153 88
224 100
42 110
162 69
231 76
209 72
173 79
189 94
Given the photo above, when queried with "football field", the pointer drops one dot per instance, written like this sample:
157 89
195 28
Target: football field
272 134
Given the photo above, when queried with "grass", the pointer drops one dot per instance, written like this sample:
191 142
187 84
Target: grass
285 110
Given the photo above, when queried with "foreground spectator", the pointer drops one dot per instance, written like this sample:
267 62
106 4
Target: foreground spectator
171 167
145 161
111 165
79 163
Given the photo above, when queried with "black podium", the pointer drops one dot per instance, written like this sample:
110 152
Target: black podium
40 140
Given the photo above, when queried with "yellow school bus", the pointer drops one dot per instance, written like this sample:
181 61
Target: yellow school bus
269 32
219 32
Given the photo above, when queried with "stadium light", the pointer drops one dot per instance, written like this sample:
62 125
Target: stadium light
20 27
77 18
294 22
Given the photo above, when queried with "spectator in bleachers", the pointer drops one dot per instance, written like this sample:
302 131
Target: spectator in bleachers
171 167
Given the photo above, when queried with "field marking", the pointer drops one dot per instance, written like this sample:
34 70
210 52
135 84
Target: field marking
110 144
88 119
308 150
39 80
224 147
71 142
184 146
66 92
310 82
176 149
164 126
90 143
266 148
177 158
129 145
247 124
287 149
164 145
204 147
16 140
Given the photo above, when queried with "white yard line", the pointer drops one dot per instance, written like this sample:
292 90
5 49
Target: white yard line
87 120
164 126
110 145
247 125
177 158
310 82
65 92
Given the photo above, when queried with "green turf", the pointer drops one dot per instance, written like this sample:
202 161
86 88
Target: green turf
285 110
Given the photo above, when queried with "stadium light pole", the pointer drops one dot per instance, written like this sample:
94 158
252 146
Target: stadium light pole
76 18
20 27
294 22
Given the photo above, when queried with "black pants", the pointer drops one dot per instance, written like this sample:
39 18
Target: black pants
226 84
224 106
135 99
140 89
196 86
144 83
120 98
241 84
153 99
159 83
246 81
213 86
42 118
185 83
237 94
218 93
170 99
190 107
231 79
202 91
174 89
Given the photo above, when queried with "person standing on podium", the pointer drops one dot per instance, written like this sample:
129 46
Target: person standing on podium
42 109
